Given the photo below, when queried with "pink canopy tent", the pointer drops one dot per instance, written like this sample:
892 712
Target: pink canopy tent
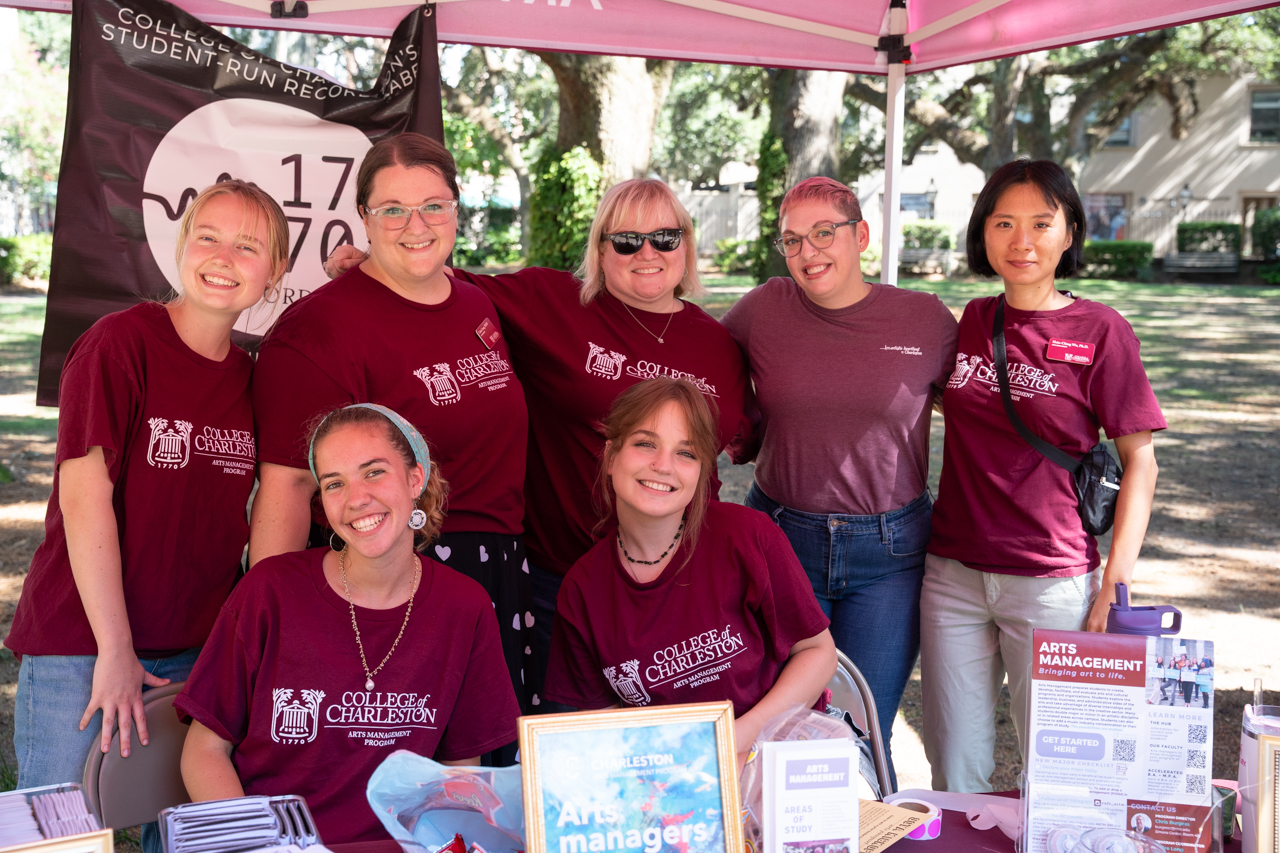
864 36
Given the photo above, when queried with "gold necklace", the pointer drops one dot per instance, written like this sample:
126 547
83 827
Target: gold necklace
646 328
342 570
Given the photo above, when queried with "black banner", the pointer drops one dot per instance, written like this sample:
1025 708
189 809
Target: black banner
161 105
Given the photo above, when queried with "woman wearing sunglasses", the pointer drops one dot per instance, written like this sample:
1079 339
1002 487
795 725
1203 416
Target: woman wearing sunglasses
580 340
845 374
399 331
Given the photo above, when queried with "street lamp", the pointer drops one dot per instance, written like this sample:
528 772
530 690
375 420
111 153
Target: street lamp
931 195
1184 195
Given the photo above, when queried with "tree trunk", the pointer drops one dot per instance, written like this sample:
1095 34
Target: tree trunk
1006 89
807 109
610 104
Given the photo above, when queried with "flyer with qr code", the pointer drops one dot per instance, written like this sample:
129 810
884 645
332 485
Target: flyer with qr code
1120 734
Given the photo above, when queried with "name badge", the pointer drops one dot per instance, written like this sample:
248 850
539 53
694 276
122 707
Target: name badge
1072 352
489 334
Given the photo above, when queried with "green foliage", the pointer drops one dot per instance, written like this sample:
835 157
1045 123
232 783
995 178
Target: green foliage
8 259
33 106
487 236
1118 258
733 255
1208 237
473 150
566 192
34 253
354 61
926 234
713 115
770 187
1270 273
1266 234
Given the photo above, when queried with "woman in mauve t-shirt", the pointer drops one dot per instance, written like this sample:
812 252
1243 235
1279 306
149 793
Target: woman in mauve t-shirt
400 331
322 663
146 524
845 375
579 341
687 599
1009 553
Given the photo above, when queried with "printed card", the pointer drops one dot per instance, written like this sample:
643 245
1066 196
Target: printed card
810 796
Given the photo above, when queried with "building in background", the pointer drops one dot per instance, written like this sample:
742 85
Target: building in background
1143 182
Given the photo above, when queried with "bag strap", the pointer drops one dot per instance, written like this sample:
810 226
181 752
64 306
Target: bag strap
1044 448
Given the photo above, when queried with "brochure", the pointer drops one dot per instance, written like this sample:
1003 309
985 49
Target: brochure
810 796
1120 735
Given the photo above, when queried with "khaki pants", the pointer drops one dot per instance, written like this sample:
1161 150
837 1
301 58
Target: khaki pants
974 627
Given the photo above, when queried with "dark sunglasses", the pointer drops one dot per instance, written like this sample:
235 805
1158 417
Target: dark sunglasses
630 242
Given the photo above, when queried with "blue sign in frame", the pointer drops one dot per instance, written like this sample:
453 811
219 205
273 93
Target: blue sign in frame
633 780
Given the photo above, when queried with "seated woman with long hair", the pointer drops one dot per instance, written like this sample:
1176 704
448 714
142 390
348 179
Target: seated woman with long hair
689 599
323 662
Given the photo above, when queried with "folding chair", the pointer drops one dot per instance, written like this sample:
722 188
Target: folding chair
131 791
851 694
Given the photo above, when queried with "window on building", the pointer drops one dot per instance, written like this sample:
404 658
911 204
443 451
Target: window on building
1106 215
1264 116
1123 136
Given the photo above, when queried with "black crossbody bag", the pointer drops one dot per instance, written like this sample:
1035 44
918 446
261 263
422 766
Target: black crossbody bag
1096 477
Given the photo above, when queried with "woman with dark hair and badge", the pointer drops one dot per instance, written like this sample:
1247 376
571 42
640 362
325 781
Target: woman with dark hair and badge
401 331
1009 551
324 662
146 525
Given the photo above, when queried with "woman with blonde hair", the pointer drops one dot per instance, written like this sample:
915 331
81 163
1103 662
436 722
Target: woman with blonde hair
146 525
316 644
579 341
687 599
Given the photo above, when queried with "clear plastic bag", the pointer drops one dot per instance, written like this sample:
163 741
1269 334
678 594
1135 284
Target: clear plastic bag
423 804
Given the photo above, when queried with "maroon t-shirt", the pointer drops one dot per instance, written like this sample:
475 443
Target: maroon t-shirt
719 627
176 431
1002 507
574 361
845 395
356 341
281 679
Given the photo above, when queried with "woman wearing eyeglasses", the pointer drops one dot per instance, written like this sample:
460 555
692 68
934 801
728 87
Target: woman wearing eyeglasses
581 340
399 331
845 374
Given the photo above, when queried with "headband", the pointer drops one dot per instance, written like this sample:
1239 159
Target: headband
416 442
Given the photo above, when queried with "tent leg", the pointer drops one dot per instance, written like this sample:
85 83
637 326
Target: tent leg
895 118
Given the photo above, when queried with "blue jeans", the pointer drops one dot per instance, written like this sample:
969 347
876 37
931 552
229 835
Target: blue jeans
866 572
53 691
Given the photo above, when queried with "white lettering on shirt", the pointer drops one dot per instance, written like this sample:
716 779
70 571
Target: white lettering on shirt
1024 379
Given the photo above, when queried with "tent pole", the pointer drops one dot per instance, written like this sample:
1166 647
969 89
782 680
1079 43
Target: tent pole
895 118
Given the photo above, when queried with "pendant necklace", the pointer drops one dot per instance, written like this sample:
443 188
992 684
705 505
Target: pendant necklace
342 570
647 329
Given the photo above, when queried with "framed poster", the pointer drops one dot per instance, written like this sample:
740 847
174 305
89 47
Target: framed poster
648 780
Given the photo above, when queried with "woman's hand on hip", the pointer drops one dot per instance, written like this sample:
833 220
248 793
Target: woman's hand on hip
118 678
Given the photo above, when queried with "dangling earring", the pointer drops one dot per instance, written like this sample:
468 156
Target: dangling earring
417 519
332 534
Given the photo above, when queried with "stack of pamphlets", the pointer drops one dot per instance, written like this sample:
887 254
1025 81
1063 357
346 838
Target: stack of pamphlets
39 814
244 823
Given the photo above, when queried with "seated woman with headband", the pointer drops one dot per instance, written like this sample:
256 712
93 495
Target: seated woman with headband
689 599
314 644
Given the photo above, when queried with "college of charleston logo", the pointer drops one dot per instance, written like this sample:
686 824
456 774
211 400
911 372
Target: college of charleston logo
628 685
606 365
295 720
169 447
441 385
